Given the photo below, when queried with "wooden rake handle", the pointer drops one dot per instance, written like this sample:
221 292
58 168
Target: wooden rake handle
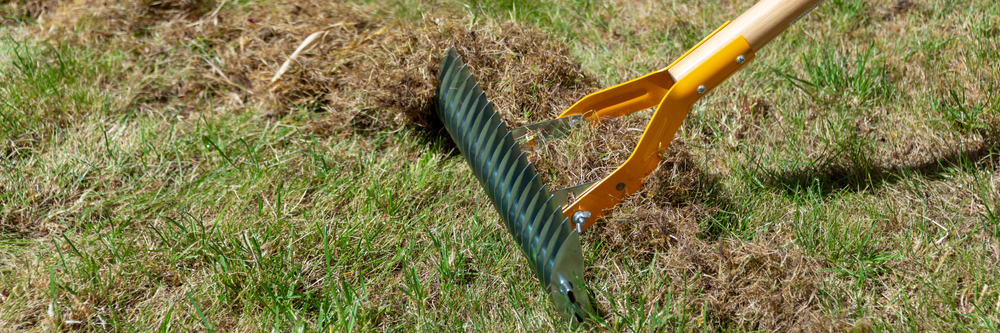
758 25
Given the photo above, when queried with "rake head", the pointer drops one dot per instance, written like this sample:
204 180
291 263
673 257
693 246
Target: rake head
533 218
542 223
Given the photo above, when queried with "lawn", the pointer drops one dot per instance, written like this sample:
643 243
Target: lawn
156 175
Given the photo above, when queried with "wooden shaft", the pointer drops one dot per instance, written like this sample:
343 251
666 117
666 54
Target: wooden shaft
758 25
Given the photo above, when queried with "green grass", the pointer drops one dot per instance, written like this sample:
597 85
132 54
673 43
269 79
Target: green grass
877 160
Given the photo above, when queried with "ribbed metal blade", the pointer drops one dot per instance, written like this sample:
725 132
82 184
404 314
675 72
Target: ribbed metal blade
525 205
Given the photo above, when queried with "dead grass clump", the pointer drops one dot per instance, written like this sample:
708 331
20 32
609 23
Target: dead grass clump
527 76
761 284
667 206
534 77
170 9
590 153
14 223
897 9
13 10
360 67
33 217
103 19
645 229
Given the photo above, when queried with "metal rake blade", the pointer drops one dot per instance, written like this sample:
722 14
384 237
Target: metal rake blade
525 205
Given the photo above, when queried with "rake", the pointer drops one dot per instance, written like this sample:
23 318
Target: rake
547 227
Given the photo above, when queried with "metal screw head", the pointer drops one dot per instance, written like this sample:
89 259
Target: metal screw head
701 89
740 60
620 186
579 218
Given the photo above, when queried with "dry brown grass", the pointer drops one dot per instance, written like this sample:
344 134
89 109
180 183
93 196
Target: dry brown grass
12 9
363 66
766 283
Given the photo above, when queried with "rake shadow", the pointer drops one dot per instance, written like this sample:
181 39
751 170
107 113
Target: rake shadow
825 176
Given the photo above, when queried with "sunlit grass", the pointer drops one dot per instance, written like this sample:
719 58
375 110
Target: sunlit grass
864 139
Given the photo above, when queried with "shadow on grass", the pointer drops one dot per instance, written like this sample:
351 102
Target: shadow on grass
857 170
437 135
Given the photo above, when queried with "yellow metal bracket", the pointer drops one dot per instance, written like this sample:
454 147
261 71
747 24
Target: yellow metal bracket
631 96
677 99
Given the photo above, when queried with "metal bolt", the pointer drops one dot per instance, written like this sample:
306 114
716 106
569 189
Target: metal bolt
701 89
740 60
580 217
620 186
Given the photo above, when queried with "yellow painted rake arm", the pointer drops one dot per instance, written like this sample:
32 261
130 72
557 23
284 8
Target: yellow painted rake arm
673 90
